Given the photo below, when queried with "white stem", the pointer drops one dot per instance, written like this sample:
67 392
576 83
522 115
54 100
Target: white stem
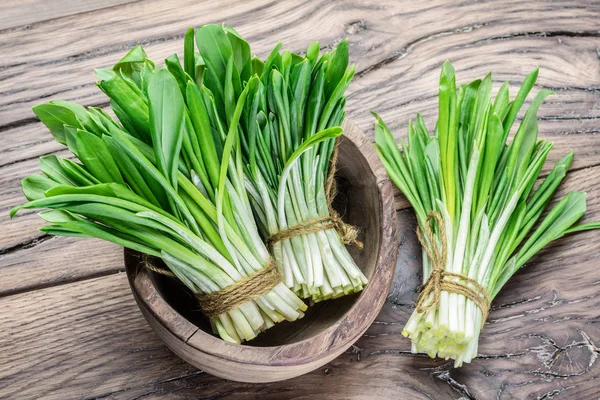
495 236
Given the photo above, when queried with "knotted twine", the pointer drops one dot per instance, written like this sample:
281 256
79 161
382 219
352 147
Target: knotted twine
348 233
442 280
246 289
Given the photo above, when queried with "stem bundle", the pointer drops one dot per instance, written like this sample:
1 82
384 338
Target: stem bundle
208 158
298 97
483 191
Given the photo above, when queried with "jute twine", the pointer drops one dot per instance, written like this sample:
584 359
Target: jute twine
145 262
441 280
232 296
348 233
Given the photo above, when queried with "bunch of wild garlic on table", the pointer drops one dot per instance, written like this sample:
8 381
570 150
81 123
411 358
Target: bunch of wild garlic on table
187 172
477 204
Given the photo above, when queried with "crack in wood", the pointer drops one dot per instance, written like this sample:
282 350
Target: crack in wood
44 95
551 394
354 27
396 353
60 282
461 388
543 34
590 89
567 117
30 25
27 159
354 349
514 303
406 50
26 245
18 123
502 356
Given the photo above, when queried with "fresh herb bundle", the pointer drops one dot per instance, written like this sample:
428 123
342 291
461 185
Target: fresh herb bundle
296 98
482 192
285 137
169 180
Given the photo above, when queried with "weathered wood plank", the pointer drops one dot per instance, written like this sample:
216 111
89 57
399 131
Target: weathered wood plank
66 65
26 142
400 90
91 341
87 339
23 228
57 260
15 13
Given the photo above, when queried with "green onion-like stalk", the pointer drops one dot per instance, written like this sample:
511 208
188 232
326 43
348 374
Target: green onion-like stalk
484 189
287 134
167 180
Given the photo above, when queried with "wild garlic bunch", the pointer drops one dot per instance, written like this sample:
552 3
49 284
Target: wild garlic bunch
481 190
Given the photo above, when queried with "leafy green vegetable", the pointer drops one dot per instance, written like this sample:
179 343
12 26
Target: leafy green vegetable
483 188
292 117
168 180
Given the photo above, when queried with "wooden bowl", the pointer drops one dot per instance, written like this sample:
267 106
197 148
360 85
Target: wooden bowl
329 328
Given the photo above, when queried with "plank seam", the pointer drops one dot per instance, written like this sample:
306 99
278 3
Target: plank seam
46 285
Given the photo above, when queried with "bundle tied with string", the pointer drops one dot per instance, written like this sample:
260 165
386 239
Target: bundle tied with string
348 233
442 280
230 297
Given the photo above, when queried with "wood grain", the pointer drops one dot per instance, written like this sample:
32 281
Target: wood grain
90 341
57 260
14 13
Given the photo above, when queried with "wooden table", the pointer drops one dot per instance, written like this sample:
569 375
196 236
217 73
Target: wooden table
69 327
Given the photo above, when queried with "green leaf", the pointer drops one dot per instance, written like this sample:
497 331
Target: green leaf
174 66
34 186
273 61
257 66
583 227
130 172
77 172
568 211
189 58
329 133
199 66
241 53
94 154
149 170
214 47
493 147
316 102
336 68
52 168
166 122
89 229
55 118
201 122
71 138
518 102
135 68
447 136
232 137
131 103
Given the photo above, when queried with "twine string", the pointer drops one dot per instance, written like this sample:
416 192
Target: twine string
246 289
145 263
437 281
348 233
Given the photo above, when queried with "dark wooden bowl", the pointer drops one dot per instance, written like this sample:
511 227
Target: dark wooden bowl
289 349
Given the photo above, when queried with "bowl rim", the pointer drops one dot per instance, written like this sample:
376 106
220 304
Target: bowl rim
298 352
